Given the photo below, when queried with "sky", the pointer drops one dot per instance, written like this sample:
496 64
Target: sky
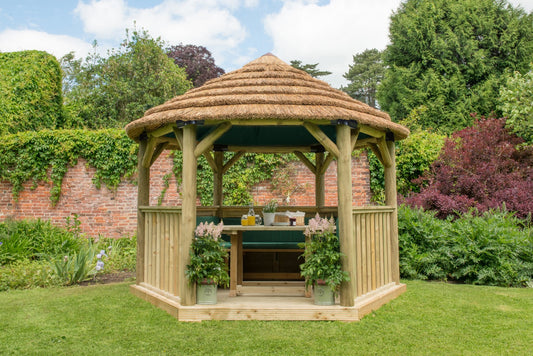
328 32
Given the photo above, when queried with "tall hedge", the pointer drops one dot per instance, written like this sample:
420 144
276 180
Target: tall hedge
30 92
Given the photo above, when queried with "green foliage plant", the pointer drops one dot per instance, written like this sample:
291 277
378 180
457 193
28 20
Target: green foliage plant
310 69
452 56
249 170
516 98
208 256
414 157
30 92
121 253
77 267
34 240
112 91
26 274
46 155
322 254
271 206
365 75
493 248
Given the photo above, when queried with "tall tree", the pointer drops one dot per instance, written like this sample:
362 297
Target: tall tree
197 61
516 99
451 56
311 69
364 75
112 91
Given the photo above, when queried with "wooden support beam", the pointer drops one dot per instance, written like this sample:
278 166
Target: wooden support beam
158 150
208 141
305 161
269 149
162 131
354 136
267 122
382 146
143 199
320 184
365 142
322 138
186 291
210 161
377 152
346 230
147 157
391 199
179 136
217 178
370 131
232 161
327 162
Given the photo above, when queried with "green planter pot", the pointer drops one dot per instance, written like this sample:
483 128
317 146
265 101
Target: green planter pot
206 293
323 294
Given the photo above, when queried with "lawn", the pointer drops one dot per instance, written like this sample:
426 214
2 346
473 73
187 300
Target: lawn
430 318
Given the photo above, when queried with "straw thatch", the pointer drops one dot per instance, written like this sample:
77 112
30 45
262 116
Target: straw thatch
266 88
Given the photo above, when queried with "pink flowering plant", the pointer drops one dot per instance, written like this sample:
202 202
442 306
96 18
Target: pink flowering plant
322 254
208 256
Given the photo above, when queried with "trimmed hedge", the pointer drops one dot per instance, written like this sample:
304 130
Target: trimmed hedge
30 92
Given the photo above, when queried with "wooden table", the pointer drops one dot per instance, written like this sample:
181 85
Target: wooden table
235 232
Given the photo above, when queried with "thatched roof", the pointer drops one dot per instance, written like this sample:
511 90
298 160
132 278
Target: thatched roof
264 89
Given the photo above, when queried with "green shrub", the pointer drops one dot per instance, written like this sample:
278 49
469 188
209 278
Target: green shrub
121 254
414 157
494 248
30 92
77 267
26 274
34 240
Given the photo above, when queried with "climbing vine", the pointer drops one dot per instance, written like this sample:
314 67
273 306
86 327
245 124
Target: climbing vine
249 170
46 155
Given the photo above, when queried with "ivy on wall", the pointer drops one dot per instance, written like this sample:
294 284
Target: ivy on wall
46 155
249 170
30 92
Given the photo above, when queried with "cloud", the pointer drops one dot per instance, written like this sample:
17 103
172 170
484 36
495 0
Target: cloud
58 45
208 23
329 34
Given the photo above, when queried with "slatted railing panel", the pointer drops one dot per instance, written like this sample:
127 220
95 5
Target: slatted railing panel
373 248
161 249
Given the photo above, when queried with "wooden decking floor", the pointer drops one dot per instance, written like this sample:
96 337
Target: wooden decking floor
270 302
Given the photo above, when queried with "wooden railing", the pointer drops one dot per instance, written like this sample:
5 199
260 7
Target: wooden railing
372 234
162 232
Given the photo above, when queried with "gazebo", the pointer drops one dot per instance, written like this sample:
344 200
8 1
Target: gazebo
267 106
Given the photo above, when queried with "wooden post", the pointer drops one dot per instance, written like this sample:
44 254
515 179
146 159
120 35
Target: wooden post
391 200
143 199
346 235
320 188
186 291
217 179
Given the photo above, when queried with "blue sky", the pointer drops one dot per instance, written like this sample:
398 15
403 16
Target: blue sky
328 32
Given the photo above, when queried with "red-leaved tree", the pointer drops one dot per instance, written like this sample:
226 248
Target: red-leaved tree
480 167
197 61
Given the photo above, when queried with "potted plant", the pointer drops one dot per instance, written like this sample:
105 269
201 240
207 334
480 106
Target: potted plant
269 212
208 268
322 267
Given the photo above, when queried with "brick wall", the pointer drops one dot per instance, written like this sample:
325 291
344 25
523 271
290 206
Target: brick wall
113 213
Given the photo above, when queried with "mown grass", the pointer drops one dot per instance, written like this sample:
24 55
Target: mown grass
430 318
